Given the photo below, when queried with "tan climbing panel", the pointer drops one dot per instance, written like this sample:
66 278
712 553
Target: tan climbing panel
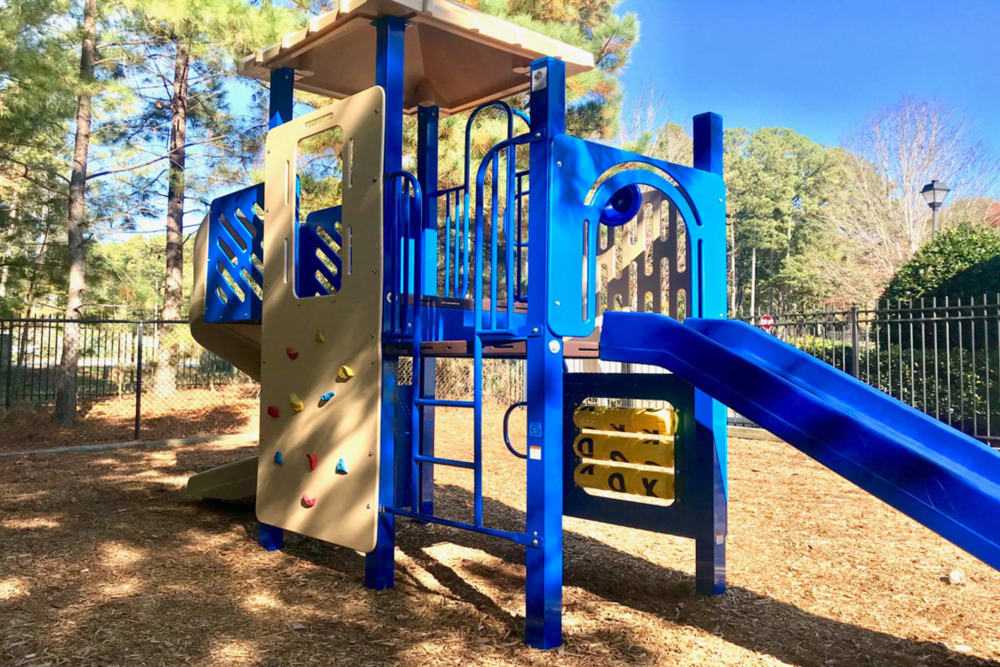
305 342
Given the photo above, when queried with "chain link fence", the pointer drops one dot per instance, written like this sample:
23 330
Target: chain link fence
503 379
134 379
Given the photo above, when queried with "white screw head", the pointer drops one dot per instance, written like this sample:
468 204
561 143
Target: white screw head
553 346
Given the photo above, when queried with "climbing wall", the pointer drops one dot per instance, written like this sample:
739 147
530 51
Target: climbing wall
320 355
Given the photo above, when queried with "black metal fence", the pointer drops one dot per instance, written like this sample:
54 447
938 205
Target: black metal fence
941 356
134 379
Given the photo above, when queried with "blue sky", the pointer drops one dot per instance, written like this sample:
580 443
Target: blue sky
818 68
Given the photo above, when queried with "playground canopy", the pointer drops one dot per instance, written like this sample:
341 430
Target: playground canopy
456 57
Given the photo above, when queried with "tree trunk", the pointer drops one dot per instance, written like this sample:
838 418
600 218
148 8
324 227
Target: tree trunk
66 383
732 275
753 281
165 378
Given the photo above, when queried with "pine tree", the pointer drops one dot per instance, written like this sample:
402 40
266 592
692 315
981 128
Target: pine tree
185 51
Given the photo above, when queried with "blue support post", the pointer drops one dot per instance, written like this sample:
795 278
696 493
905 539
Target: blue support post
389 67
279 111
710 415
543 594
427 175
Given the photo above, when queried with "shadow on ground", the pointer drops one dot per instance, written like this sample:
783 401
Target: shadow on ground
126 570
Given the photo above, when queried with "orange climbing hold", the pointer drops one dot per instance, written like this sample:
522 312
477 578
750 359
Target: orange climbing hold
312 461
292 354
273 411
308 500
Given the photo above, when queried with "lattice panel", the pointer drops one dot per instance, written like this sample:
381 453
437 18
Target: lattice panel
651 254
319 260
233 277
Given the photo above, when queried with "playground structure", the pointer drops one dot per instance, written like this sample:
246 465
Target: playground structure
529 257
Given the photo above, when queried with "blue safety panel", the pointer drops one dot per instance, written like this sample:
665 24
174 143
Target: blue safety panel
584 167
233 277
318 253
938 476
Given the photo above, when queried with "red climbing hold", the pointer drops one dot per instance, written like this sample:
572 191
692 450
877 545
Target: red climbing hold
312 461
272 411
292 354
308 500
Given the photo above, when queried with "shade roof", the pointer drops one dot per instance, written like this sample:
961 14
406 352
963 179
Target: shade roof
456 57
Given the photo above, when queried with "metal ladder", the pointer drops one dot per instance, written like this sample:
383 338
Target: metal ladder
487 327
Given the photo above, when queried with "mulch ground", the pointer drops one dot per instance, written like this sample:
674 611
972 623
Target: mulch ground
187 412
104 561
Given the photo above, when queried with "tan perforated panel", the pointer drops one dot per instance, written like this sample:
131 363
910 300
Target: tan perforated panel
296 360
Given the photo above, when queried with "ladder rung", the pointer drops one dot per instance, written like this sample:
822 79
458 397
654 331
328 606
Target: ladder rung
440 402
445 462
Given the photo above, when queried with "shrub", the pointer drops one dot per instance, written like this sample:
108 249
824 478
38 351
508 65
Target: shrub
941 259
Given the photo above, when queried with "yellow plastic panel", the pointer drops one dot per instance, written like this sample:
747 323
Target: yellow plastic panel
625 479
319 456
625 449
630 420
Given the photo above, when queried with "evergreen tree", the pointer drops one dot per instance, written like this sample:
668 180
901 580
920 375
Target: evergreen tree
183 52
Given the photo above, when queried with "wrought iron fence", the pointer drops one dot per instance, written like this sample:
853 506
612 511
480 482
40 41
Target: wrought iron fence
940 355
134 379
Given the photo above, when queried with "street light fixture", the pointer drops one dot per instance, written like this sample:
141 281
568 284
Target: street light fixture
934 194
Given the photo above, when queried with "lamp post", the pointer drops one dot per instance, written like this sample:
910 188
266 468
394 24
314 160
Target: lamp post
934 194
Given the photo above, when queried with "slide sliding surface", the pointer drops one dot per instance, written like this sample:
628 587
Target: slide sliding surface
934 474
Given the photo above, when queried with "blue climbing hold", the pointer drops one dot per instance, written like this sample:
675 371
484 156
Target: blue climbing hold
341 467
278 459
327 396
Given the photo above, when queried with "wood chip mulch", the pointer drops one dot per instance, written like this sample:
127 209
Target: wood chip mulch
104 561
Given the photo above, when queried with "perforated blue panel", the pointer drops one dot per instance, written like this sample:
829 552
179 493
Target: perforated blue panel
233 275
318 262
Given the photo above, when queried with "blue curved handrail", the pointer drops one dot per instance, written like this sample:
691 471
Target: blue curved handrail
490 160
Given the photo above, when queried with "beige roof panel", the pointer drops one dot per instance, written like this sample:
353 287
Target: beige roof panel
456 57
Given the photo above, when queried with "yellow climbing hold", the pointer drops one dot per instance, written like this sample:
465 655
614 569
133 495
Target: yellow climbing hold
345 373
320 336
296 402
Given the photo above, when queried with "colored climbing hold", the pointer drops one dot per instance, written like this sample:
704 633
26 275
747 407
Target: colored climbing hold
278 459
345 373
341 467
292 354
320 336
296 402
308 500
312 461
325 398
272 411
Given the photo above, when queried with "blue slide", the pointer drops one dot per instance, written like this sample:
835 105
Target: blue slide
934 474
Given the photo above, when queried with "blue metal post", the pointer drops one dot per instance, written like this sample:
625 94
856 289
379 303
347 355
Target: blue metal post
710 415
389 64
543 613
427 175
279 111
